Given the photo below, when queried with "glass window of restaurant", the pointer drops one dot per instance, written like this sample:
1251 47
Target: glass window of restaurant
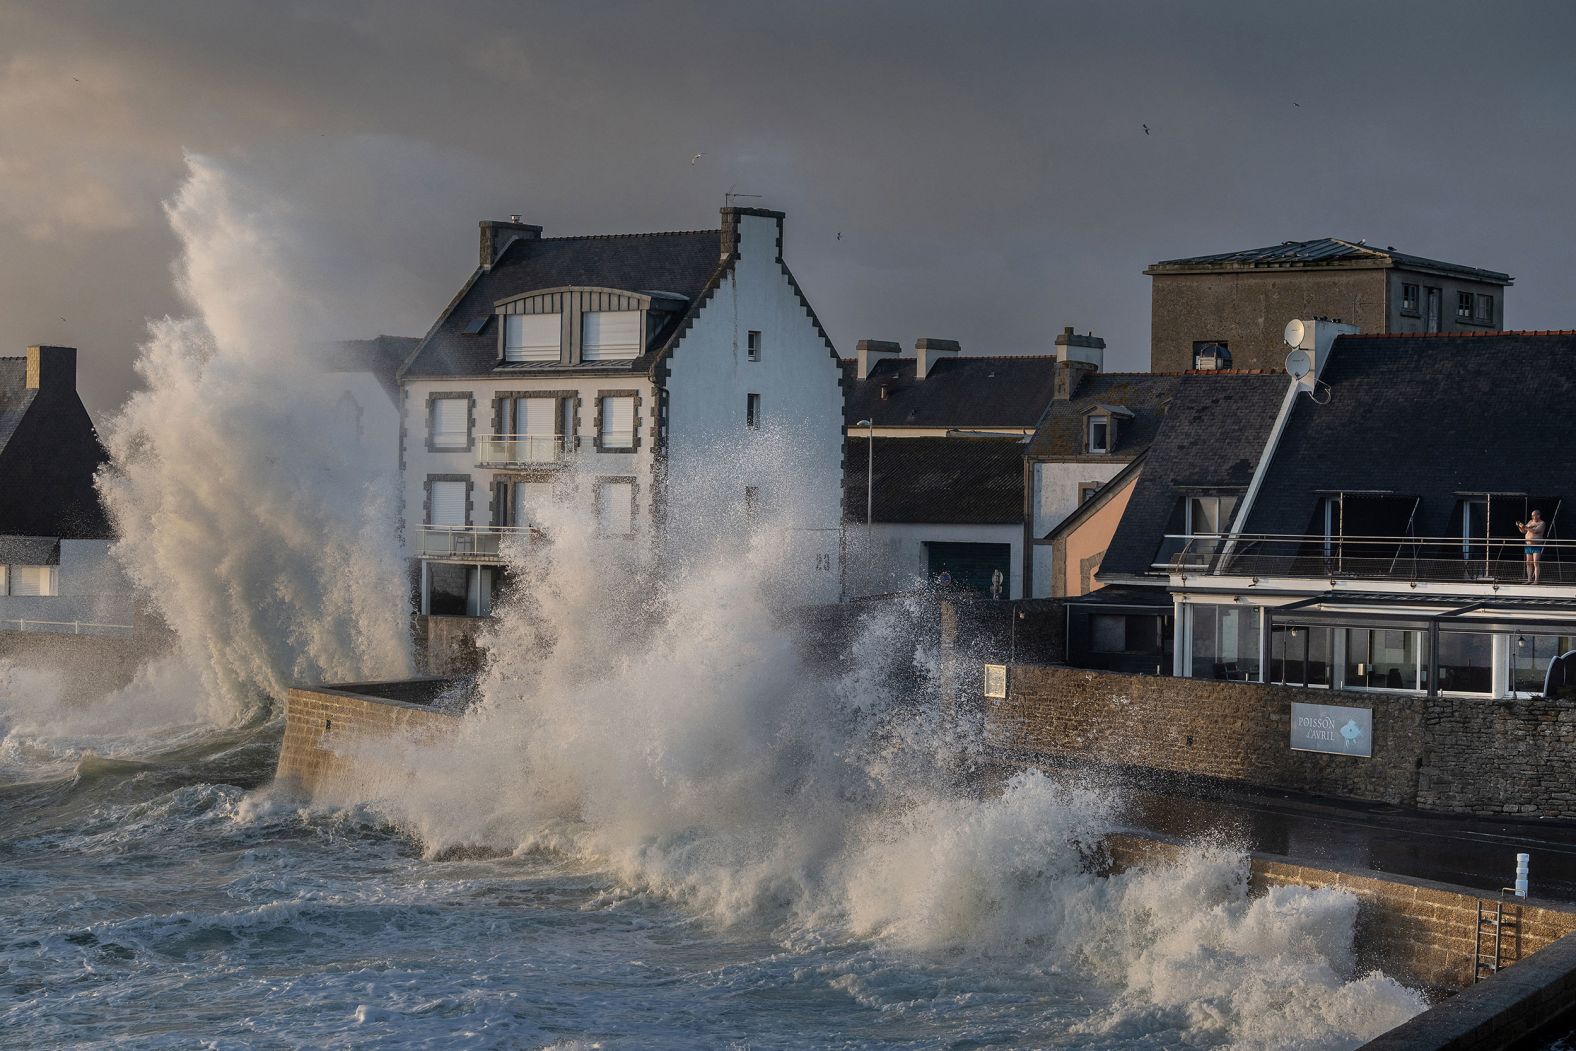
1225 642
1301 655
1379 659
1466 662
1529 660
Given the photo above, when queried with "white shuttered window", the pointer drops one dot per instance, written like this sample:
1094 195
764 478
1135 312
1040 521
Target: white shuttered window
446 505
618 422
536 417
33 580
615 508
529 500
451 423
609 335
531 337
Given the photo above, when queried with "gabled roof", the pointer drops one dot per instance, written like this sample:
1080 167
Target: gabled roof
970 481
49 453
960 392
1211 437
679 264
1432 417
1061 434
14 396
1324 251
380 356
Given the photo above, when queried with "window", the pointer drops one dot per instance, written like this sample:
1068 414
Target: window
1411 299
752 411
1485 308
1209 515
615 508
753 345
458 591
525 503
531 337
1211 355
531 428
1099 434
617 427
1464 305
1300 655
1529 659
610 335
1225 643
447 502
1122 633
1087 491
36 581
450 423
1382 660
1466 662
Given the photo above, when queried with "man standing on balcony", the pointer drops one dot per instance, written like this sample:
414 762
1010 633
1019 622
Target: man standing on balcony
1534 533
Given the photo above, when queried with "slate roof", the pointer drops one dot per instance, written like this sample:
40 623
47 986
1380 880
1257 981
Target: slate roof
1324 250
1211 437
1061 434
681 263
381 356
29 551
49 453
1432 416
961 392
969 481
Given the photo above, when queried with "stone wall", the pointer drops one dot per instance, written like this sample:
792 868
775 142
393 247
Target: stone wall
1422 933
319 721
1445 754
447 645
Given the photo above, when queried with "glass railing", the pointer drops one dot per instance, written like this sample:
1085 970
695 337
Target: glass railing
479 542
510 450
1496 560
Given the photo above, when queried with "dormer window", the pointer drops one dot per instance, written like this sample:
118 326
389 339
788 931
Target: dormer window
531 337
610 335
1100 434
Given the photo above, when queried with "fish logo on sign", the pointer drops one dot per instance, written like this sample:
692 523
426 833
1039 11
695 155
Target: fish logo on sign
1351 731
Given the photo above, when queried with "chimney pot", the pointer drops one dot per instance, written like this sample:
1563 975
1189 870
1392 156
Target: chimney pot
497 235
928 350
1085 350
870 351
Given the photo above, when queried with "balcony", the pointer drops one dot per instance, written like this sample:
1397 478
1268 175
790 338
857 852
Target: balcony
1404 559
472 543
523 450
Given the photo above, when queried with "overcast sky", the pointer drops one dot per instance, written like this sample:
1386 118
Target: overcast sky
985 163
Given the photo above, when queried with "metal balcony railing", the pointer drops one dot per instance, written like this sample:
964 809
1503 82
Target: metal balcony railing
481 543
522 450
1457 560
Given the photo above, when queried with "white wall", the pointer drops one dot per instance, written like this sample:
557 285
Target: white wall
895 558
796 459
1056 491
375 430
91 590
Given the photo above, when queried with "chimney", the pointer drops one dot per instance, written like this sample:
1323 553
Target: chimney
870 351
928 351
734 221
1090 349
52 368
498 235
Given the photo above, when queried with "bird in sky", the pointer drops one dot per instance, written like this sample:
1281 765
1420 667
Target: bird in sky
695 158
839 235
1146 128
1297 104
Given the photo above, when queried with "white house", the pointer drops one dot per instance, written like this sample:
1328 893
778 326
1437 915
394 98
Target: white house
56 575
616 371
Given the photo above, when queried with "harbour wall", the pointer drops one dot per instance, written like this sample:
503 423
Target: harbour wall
320 720
1442 753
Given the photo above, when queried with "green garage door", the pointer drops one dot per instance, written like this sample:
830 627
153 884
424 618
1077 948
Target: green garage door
971 565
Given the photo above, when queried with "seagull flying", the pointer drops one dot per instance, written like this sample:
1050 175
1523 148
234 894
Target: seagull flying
695 158
1145 127
839 235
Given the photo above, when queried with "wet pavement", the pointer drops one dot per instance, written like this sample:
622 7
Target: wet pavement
1469 851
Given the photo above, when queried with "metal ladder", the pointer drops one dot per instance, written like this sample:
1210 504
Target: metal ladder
1498 935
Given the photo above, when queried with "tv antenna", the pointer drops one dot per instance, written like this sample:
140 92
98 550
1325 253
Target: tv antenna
730 197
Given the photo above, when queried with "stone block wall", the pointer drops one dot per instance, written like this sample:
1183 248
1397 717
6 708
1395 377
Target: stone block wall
1422 933
1446 754
316 720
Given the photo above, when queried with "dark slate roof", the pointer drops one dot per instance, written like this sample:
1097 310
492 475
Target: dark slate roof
49 453
971 481
681 263
1061 433
29 551
381 356
1431 417
960 392
1125 595
1323 251
1212 436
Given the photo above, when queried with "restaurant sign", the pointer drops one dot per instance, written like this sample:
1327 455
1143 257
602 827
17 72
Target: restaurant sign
1331 728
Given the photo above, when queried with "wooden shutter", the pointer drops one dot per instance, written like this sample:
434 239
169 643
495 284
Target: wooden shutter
447 504
609 335
451 422
618 422
531 337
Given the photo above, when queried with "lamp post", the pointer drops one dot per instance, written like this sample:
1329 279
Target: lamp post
870 482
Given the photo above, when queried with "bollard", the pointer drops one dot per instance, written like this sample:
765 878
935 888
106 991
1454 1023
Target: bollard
1522 863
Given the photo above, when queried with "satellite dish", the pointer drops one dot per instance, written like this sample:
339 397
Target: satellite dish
1295 331
1298 364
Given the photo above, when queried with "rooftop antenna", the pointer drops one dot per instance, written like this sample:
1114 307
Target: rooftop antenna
729 197
1299 366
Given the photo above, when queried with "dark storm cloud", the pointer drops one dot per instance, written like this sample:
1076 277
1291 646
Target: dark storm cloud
985 163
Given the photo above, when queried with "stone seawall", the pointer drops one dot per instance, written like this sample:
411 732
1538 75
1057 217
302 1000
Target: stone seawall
321 720
1443 753
1423 933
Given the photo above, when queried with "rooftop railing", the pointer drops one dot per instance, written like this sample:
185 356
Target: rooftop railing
522 450
1459 560
482 543
64 627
